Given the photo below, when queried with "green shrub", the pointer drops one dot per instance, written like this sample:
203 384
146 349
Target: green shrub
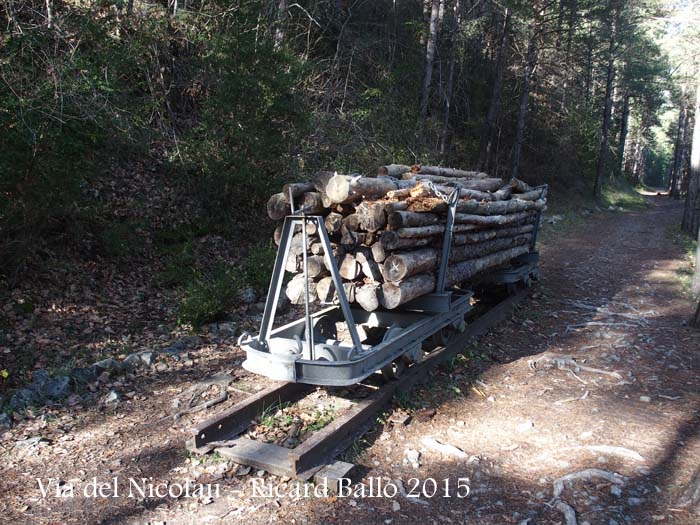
209 298
212 296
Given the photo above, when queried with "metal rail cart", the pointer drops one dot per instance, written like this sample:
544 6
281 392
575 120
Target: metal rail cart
309 350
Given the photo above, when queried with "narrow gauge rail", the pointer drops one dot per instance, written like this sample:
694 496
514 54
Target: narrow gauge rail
222 432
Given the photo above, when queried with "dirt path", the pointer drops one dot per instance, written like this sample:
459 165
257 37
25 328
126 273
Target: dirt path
609 298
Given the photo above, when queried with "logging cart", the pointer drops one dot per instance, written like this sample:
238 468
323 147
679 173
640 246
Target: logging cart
343 344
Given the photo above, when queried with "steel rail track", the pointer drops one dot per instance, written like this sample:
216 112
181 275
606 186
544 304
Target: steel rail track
324 445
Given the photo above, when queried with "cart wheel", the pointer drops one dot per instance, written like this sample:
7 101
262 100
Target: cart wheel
393 370
324 329
440 338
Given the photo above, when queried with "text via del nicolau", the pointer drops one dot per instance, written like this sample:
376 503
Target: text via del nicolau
148 488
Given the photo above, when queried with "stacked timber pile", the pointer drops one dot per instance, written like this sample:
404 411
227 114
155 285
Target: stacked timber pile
387 231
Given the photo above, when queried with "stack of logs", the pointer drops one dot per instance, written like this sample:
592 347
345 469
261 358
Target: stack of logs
387 231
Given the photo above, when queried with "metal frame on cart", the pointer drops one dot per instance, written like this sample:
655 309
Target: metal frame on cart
306 351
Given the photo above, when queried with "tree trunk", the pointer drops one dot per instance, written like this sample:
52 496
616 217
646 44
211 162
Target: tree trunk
278 207
396 294
691 214
466 270
296 291
589 68
49 15
607 112
280 23
450 77
568 74
486 235
428 74
488 132
297 189
674 189
530 64
624 127
367 296
401 265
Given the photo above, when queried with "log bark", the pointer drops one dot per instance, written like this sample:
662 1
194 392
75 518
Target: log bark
465 270
316 266
412 218
379 254
407 219
326 201
320 180
325 290
483 185
371 215
278 207
399 194
504 193
439 179
292 264
396 294
532 195
297 188
485 235
367 296
519 186
352 222
348 267
491 220
297 244
296 292
399 266
449 172
346 188
465 252
369 266
333 222
391 241
393 170
277 236
312 203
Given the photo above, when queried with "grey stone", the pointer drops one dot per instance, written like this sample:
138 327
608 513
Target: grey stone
190 341
87 374
247 295
24 398
109 365
58 387
260 307
39 377
112 397
147 358
132 361
634 501
227 329
5 421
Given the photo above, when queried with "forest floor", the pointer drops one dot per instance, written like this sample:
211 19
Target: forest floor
610 297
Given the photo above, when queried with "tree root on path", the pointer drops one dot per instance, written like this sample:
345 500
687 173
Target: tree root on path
604 311
567 363
558 487
568 512
221 380
586 475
